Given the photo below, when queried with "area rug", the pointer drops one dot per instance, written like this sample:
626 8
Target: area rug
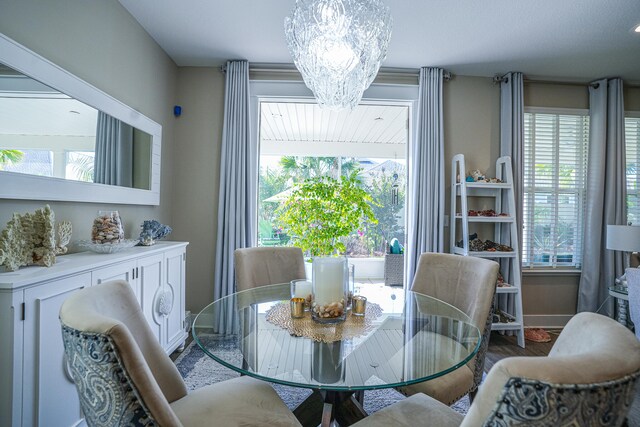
199 370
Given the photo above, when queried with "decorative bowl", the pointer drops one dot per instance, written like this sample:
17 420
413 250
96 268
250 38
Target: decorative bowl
107 248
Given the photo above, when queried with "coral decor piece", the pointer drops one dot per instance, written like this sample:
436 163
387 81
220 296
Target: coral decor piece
153 230
64 237
29 239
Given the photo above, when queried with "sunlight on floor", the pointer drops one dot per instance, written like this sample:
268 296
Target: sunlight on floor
390 298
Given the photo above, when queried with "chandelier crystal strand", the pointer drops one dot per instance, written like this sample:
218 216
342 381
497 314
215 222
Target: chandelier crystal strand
338 46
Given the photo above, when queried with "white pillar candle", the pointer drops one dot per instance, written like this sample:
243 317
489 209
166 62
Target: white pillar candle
328 280
302 289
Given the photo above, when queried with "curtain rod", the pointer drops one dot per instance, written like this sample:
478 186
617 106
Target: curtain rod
291 69
499 79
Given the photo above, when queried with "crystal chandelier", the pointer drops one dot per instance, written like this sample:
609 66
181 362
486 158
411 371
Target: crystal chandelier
338 46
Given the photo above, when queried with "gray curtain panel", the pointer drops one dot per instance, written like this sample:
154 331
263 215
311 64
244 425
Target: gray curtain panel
237 204
113 162
512 145
606 195
426 169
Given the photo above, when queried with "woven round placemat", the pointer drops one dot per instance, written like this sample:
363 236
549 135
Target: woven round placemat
353 326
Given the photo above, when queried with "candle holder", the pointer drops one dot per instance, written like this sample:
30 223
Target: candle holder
297 307
359 306
330 289
302 288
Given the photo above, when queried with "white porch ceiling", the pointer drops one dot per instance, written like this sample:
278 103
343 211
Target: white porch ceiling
559 40
373 131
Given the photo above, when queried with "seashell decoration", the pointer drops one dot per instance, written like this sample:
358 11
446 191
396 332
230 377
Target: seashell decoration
107 228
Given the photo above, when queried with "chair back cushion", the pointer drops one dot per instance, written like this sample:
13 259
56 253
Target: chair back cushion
589 374
125 349
267 266
467 283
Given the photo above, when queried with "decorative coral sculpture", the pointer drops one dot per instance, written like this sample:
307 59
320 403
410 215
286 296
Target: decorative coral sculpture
153 230
64 237
29 239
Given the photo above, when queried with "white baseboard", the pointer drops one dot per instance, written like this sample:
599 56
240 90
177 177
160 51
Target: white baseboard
549 321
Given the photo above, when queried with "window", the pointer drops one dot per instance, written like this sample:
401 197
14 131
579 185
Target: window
555 165
31 161
79 165
299 141
632 137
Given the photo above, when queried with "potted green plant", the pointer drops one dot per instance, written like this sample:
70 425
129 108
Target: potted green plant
321 210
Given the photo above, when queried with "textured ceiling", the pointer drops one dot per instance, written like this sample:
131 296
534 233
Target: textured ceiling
555 39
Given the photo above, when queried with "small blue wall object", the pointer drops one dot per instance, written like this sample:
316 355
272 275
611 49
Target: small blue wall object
177 110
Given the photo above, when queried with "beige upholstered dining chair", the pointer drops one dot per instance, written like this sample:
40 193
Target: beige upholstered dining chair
267 266
469 284
633 291
124 377
588 379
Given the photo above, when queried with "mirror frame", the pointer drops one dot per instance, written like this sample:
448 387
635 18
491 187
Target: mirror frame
32 187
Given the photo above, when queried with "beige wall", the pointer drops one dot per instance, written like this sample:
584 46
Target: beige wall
632 99
556 95
101 43
471 127
197 158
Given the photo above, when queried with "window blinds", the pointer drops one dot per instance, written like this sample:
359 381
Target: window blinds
632 141
555 165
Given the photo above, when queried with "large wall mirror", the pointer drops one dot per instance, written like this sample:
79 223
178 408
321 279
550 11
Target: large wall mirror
63 139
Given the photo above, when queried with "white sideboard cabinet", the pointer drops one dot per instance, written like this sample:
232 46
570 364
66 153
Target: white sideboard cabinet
35 386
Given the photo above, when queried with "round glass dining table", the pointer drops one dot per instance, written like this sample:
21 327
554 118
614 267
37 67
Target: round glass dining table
417 341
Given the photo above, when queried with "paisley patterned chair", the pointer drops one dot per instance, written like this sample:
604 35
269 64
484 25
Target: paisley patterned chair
469 284
588 379
124 377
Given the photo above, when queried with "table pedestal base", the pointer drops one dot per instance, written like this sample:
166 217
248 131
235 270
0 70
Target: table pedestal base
331 408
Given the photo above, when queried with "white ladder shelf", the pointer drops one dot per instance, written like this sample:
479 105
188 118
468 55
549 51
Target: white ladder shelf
505 232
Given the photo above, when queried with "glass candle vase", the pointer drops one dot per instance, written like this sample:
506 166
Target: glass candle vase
302 288
330 289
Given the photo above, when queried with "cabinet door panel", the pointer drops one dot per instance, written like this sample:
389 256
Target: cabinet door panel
174 284
50 396
122 271
150 279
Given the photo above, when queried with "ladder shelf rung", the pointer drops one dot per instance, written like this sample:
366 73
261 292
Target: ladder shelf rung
495 185
487 218
485 254
507 289
510 326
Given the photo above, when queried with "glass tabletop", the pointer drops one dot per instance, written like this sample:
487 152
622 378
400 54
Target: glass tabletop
426 339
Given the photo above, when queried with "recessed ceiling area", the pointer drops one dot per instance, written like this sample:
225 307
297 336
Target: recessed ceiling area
548 39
